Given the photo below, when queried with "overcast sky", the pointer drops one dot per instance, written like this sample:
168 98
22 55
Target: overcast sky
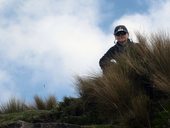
44 44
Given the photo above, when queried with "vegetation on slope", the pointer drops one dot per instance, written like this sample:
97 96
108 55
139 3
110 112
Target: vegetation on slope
137 87
133 93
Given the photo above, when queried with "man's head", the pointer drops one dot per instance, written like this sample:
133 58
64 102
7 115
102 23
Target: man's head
121 33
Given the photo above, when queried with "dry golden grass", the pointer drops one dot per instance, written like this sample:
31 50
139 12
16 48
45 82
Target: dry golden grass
39 103
45 104
129 85
12 106
51 102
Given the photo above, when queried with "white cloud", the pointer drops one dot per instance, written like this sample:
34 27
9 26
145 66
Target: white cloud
8 88
2 3
51 41
54 40
157 18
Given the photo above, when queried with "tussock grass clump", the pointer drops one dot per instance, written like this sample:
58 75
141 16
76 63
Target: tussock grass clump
15 105
51 103
39 103
47 104
139 79
12 106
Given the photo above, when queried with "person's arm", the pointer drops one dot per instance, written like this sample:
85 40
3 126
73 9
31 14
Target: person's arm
105 60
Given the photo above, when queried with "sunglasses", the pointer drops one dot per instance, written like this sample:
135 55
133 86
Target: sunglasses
120 33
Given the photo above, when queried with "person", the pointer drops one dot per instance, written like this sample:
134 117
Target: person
122 41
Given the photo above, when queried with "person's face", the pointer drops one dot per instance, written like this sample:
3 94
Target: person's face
122 37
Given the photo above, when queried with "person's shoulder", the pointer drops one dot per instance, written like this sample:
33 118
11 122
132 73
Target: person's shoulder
113 47
136 44
111 50
131 42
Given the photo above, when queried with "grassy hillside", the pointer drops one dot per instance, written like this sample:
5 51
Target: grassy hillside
133 93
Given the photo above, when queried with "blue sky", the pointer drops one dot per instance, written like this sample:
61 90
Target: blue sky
45 44
115 9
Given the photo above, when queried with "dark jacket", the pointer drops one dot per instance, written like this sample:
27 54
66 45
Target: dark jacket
112 52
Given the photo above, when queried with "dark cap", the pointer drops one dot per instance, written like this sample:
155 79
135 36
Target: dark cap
120 28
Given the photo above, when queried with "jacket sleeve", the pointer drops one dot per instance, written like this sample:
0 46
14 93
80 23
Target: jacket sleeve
105 60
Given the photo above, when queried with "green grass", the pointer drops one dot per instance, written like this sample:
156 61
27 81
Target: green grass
29 116
41 111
